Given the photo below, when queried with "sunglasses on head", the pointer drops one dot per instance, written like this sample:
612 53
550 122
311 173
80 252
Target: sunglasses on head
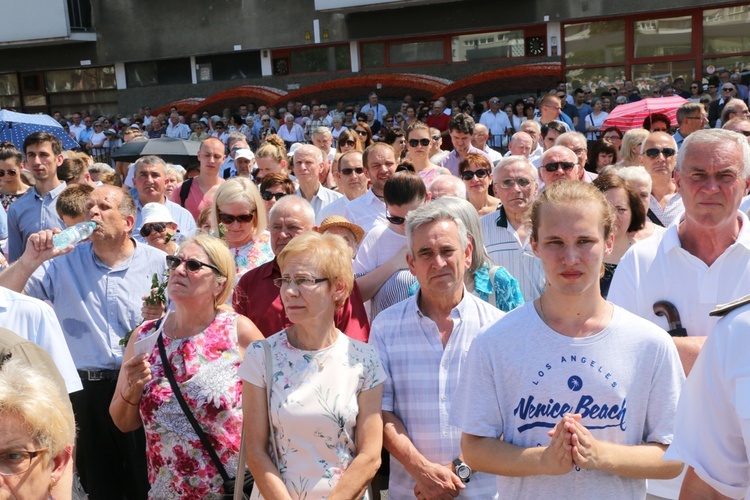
348 171
394 219
481 173
10 172
555 165
192 265
349 143
147 229
654 152
268 195
230 219
521 182
416 142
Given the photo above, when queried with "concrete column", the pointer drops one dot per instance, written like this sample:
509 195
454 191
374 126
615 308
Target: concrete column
354 56
120 78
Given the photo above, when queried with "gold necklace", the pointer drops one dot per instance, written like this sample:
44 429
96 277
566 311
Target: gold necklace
544 318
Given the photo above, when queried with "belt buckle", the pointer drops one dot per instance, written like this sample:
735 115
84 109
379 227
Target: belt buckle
94 375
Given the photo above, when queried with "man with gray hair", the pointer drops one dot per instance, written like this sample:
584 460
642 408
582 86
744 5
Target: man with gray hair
479 141
435 330
506 232
176 129
308 160
691 117
291 132
447 185
576 142
734 108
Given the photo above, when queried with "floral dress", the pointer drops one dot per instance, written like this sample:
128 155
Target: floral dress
7 199
252 254
314 407
205 368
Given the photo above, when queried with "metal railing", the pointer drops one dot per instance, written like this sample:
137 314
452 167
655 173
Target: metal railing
79 14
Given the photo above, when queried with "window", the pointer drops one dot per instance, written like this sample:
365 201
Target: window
645 75
415 52
373 55
164 72
320 59
595 43
596 78
234 66
480 46
76 80
725 30
9 97
663 37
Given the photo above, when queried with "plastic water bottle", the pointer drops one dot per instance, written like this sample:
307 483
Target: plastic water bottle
73 235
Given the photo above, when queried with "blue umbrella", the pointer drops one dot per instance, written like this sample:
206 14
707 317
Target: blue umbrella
14 127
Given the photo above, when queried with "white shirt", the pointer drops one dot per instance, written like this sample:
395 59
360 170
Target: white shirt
379 110
367 211
77 129
323 197
337 207
494 155
179 131
745 205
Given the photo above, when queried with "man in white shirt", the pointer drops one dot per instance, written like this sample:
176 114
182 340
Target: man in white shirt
76 126
369 209
176 129
378 109
352 182
479 140
496 121
307 163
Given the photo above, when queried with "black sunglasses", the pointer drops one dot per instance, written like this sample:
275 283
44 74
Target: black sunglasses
416 142
348 171
654 152
227 219
481 173
268 195
11 173
435 137
394 219
192 265
147 229
349 143
565 165
361 132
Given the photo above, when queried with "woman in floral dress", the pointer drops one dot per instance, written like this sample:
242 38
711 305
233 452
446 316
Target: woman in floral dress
326 388
204 346
11 185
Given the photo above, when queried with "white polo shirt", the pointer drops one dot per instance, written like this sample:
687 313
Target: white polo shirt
367 211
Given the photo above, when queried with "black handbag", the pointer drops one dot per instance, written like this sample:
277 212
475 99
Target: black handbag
229 483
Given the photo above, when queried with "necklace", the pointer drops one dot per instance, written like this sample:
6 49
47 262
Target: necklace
319 358
594 330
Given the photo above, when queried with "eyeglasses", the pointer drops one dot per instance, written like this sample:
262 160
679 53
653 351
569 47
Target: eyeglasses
481 173
361 132
349 143
416 142
694 87
654 152
147 229
521 182
494 101
265 120
435 137
555 165
268 196
13 463
746 133
192 265
10 172
395 219
727 89
348 171
299 282
389 120
613 137
228 219
556 108
712 86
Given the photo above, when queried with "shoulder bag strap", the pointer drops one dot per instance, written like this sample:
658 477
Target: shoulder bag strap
185 191
269 380
188 413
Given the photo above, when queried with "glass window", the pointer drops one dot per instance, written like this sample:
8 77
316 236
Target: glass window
725 30
373 55
72 80
596 78
142 74
414 52
321 59
8 84
234 66
646 75
736 64
500 44
595 43
663 37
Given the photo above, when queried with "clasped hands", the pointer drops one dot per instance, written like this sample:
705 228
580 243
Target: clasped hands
572 445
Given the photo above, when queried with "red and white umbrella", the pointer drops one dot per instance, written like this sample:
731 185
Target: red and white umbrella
631 115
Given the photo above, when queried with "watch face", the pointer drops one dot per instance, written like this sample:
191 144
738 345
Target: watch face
463 472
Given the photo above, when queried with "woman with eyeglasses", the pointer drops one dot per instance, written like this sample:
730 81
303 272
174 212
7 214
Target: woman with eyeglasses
380 265
325 388
364 132
476 172
274 187
203 346
348 140
37 433
419 144
11 164
238 217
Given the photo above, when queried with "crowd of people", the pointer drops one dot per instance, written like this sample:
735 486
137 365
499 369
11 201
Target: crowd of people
453 299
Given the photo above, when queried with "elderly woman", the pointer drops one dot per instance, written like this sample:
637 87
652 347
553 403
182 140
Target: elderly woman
37 432
238 217
159 228
329 439
204 346
476 172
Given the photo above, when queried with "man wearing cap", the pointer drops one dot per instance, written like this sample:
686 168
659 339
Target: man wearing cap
235 142
244 160
159 228
176 129
307 165
338 225
351 180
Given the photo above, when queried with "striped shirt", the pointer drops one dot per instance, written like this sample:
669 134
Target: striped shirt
422 377
506 249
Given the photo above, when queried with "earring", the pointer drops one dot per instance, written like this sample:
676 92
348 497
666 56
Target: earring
52 483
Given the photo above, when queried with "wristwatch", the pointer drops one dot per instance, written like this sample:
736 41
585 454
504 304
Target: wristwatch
463 471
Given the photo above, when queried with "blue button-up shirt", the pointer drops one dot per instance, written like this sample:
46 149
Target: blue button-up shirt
29 214
96 304
85 135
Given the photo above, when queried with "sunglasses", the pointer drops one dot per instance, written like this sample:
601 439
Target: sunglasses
654 152
348 171
11 173
555 165
435 137
727 90
361 132
416 142
521 182
227 219
394 219
147 229
268 196
349 143
495 102
481 173
192 265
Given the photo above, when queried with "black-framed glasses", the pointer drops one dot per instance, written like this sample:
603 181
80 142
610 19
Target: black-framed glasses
508 183
299 282
349 143
228 219
10 172
481 173
417 142
654 152
348 171
147 229
363 133
394 219
15 462
192 265
268 195
555 165
727 89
